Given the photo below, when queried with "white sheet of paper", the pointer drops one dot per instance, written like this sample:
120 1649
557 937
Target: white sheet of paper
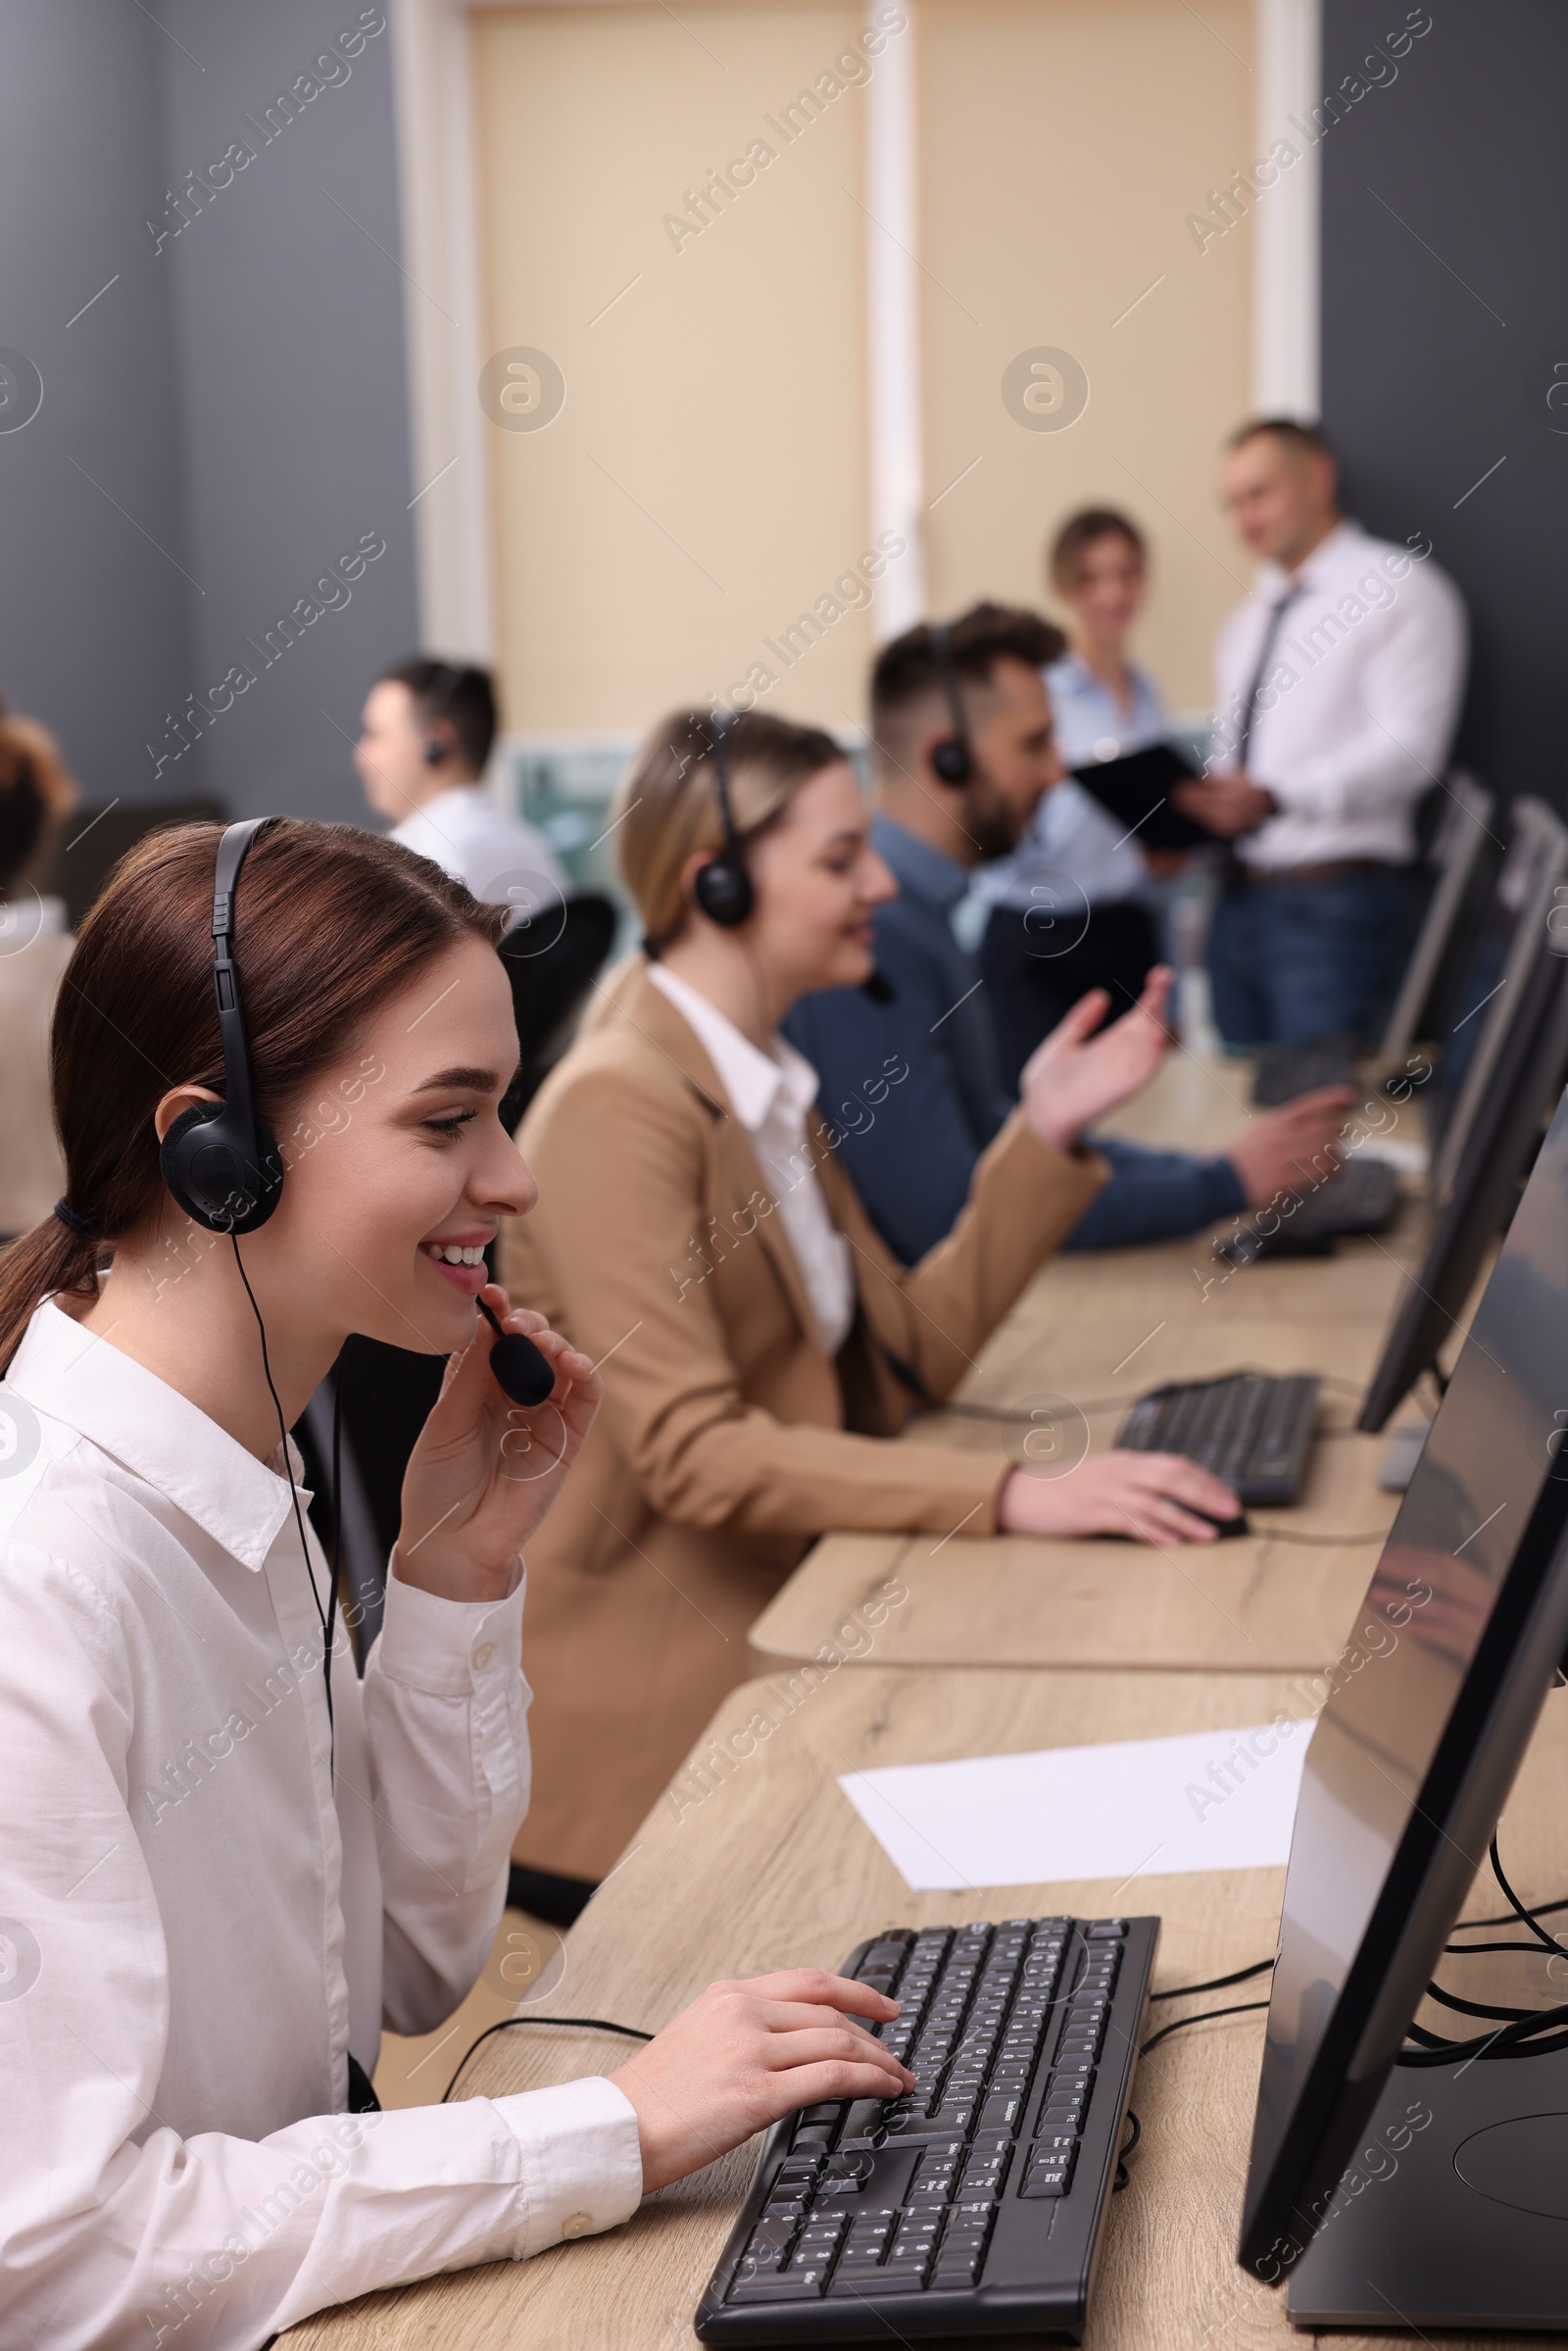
1137 1808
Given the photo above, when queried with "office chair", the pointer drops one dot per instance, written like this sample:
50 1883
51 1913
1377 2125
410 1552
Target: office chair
388 1391
552 964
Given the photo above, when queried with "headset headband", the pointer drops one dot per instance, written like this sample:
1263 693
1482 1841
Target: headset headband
941 647
232 850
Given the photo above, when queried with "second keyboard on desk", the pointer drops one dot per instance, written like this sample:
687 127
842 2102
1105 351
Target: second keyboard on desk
975 2204
1253 1432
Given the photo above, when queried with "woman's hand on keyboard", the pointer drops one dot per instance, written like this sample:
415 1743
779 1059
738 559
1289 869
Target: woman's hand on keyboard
743 2055
1140 1495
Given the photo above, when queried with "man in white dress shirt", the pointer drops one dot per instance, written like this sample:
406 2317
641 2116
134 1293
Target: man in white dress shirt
1338 688
425 739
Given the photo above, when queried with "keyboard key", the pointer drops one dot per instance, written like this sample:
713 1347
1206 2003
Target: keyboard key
1003 2112
1044 2183
791 2286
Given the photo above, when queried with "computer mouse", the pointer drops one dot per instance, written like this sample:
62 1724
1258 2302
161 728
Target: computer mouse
1224 1527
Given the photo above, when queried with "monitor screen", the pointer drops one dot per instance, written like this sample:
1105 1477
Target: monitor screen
1527 1078
1418 1741
1500 956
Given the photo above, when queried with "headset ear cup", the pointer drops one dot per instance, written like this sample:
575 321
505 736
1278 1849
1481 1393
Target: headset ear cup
724 892
206 1171
952 760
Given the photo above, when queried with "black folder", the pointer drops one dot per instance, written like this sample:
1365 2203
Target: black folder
1136 790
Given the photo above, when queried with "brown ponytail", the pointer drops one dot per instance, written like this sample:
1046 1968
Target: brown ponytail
332 921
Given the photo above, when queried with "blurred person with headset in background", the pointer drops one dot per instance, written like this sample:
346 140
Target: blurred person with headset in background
699 1235
427 733
36 796
964 757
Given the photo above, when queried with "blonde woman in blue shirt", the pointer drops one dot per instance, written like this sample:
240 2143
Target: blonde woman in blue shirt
1104 707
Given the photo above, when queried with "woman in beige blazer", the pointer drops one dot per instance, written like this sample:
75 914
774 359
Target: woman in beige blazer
698 1238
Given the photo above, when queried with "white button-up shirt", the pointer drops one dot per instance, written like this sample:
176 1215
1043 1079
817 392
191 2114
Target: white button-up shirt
1360 704
499 858
197 1924
1071 832
770 1094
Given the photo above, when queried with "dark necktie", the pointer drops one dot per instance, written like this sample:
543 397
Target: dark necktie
1271 635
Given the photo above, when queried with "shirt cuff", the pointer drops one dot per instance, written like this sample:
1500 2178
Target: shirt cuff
449 1649
582 2163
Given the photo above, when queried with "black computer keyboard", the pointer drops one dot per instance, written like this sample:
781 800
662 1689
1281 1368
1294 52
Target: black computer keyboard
1253 1432
975 2204
1361 1197
1284 1071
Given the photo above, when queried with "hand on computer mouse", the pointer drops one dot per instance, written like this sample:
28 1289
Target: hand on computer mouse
1290 1148
1074 1078
1140 1495
743 2055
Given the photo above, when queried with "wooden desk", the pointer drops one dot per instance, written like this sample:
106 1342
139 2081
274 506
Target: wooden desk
775 1869
1103 1329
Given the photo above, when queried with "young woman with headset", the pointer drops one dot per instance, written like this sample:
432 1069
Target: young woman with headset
227 1859
698 1237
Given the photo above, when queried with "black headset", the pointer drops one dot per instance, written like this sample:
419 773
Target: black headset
951 759
218 1160
221 1161
438 699
723 889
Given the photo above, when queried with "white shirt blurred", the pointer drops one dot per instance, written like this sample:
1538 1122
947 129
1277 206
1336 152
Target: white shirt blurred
1355 717
499 856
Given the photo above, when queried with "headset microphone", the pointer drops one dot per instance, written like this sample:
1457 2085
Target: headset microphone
525 1375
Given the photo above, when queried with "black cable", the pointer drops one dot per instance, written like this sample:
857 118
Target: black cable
598 2024
1123 2177
1243 1974
1524 2032
294 1496
1526 1918
1540 1910
1202 2017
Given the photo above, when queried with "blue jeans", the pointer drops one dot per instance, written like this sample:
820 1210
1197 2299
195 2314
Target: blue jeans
1292 960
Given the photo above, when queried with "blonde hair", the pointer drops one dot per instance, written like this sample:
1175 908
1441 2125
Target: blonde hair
666 807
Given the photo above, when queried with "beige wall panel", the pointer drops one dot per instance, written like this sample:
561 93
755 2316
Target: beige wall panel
705 482
1063 142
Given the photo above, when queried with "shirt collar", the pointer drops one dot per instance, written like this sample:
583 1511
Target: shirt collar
155 1432
925 872
1274 580
754 1081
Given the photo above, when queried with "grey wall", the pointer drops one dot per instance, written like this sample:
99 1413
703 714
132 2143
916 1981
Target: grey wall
240 391
94 620
1445 330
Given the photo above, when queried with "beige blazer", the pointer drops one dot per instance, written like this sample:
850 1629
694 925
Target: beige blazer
728 1438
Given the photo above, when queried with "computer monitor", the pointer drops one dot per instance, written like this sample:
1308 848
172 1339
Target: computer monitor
1515 923
1457 869
1527 1078
1409 1765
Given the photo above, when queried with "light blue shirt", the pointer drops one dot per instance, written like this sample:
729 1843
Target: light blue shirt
1070 833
